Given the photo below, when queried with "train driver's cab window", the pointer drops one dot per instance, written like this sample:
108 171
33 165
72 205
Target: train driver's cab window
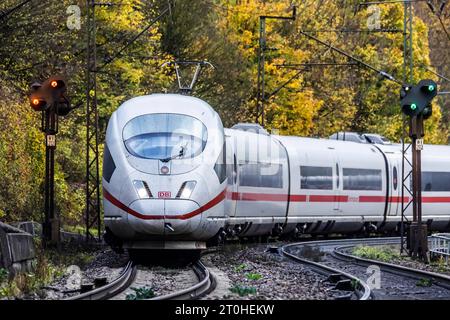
319 178
362 179
165 136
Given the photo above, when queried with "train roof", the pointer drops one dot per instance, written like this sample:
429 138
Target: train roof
442 151
166 103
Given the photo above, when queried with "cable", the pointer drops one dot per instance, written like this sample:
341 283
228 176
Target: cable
342 52
118 53
12 10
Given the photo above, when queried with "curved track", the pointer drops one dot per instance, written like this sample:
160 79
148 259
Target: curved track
204 285
397 282
358 287
111 289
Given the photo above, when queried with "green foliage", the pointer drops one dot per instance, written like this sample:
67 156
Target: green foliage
385 254
3 275
243 290
31 52
355 284
240 267
441 264
424 282
26 283
253 276
141 293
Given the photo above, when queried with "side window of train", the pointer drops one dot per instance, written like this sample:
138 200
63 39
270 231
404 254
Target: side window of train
395 178
320 178
362 179
220 167
264 175
436 181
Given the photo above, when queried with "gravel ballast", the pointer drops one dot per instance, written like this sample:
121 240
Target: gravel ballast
264 275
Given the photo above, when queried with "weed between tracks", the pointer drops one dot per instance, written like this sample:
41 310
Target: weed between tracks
383 253
141 294
243 290
391 254
424 283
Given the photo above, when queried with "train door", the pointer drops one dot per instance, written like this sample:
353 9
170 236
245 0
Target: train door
395 189
363 181
262 177
317 163
337 185
231 165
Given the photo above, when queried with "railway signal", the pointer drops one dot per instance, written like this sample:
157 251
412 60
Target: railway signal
416 100
416 104
50 99
37 100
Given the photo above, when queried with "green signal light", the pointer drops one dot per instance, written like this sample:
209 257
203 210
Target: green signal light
430 87
413 106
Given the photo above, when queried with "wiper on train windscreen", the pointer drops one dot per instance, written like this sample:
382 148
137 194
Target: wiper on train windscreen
179 155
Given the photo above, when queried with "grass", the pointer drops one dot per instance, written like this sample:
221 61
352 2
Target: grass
385 254
243 290
141 294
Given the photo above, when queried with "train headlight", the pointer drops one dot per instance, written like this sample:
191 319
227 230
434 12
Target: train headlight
142 189
186 189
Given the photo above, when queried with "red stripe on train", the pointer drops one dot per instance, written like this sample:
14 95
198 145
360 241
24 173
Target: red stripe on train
221 196
326 198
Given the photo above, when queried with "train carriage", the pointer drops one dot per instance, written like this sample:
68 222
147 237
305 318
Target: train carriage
174 178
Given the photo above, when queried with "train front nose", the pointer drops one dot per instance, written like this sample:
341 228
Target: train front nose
165 217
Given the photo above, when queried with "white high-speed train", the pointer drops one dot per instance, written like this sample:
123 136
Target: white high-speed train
174 178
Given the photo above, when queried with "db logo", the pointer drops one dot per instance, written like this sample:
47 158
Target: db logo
164 194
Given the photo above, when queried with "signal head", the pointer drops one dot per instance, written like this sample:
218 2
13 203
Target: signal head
57 83
38 103
35 86
428 87
427 112
405 90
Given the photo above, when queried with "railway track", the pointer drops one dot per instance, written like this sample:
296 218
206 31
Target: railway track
397 282
115 289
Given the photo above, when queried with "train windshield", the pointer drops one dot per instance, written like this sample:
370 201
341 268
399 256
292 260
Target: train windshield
165 136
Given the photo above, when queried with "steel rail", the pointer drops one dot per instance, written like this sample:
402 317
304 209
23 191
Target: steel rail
362 290
437 279
206 284
111 289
